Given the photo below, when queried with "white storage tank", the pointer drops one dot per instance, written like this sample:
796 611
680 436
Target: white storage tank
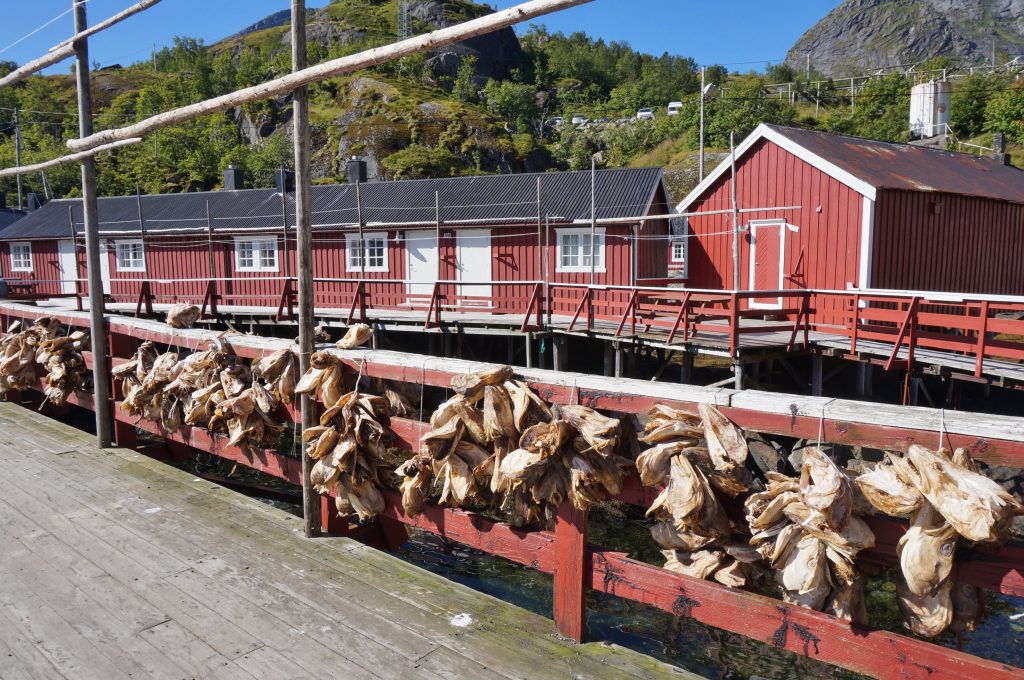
929 108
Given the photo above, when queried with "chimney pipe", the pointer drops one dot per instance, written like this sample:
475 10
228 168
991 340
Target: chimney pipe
999 148
284 180
32 202
356 170
234 179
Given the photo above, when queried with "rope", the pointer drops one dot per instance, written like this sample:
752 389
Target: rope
48 23
942 425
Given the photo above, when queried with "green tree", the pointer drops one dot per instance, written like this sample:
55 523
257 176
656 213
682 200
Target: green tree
465 87
515 103
1005 113
418 162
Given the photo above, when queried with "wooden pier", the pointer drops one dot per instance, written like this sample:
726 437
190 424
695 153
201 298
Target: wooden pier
116 565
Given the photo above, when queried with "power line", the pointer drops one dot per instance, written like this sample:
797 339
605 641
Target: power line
48 23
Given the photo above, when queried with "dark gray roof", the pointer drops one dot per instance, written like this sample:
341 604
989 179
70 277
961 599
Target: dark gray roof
913 168
490 199
9 216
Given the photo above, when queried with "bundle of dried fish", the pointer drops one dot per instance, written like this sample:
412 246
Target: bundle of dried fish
59 354
807 530
948 499
357 336
280 371
183 315
17 366
471 448
693 528
350 444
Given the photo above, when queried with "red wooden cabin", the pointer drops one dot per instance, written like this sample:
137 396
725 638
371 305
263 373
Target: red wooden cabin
856 213
476 231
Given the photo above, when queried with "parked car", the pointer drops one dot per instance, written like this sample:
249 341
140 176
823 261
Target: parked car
579 119
674 108
557 121
645 114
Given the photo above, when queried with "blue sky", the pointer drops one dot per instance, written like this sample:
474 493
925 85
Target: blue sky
743 34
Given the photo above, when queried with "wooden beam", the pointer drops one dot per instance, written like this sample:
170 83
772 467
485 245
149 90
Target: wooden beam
304 254
330 69
72 158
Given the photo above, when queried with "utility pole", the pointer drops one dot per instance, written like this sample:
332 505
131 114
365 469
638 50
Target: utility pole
304 246
97 329
703 72
17 154
807 71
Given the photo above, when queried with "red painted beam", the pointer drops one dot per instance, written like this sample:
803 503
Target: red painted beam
878 654
571 567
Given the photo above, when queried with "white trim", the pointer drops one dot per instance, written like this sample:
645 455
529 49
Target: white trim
783 228
681 242
117 255
867 241
763 131
256 267
580 269
21 244
367 236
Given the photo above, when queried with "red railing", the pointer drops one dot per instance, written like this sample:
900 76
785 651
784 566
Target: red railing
577 565
981 329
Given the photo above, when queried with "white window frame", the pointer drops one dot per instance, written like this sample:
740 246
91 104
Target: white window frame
355 256
17 245
130 266
580 268
680 243
267 244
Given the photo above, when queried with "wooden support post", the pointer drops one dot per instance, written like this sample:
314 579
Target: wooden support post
619 360
816 374
913 389
304 238
737 370
558 353
529 350
97 324
686 368
864 379
609 358
571 564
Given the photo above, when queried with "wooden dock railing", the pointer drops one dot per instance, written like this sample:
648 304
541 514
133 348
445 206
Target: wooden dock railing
577 565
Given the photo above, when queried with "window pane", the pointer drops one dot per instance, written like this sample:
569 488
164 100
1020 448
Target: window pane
375 253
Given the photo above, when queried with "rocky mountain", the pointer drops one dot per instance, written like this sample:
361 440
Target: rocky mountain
861 35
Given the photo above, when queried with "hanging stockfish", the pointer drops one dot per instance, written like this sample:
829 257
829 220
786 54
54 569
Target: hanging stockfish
497 444
357 336
350 444
183 315
59 355
948 499
280 371
807 530
699 462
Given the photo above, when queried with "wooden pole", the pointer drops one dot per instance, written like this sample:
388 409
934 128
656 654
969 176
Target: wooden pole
284 216
97 328
304 238
700 163
209 241
437 224
735 218
17 156
372 57
142 220
66 49
540 241
362 243
593 220
74 249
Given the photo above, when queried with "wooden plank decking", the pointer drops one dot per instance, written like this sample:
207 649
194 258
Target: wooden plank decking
115 565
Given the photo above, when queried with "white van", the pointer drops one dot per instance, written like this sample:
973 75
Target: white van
645 114
674 108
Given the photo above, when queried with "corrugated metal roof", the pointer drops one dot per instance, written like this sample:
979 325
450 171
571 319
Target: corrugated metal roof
493 199
913 168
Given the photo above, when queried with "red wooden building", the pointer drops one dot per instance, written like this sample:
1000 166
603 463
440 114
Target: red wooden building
856 213
475 230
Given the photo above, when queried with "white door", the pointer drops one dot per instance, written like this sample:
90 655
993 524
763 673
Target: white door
66 263
105 251
767 260
473 265
421 264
